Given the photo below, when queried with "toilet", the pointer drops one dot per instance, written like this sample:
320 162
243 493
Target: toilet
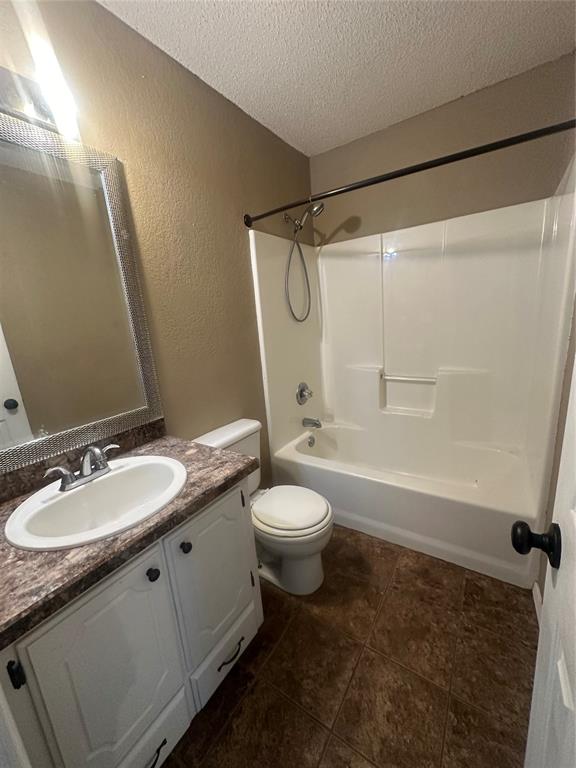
292 525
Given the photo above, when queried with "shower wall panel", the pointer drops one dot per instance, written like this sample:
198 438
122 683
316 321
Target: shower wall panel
290 351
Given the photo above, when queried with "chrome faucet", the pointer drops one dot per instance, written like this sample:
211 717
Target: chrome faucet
314 423
94 464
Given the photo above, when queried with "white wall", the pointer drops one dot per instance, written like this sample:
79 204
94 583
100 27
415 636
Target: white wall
290 350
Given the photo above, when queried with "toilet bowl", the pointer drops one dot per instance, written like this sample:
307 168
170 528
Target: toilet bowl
292 525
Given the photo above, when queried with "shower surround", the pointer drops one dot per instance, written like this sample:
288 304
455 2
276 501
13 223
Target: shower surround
436 356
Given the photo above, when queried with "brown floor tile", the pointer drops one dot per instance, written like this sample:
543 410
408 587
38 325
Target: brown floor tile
393 716
345 602
494 673
269 731
173 761
419 634
430 578
313 665
501 608
364 556
279 609
206 726
339 755
477 740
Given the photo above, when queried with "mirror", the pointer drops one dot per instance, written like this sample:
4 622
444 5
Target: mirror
75 359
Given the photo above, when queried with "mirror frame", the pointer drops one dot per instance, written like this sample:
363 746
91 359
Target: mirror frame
29 136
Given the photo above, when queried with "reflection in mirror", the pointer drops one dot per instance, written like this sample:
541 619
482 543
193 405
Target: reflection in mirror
67 352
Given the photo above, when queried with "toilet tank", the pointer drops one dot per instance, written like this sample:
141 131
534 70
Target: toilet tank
242 436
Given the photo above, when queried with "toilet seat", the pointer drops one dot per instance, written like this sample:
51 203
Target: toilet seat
289 511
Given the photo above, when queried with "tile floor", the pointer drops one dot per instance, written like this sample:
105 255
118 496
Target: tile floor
398 661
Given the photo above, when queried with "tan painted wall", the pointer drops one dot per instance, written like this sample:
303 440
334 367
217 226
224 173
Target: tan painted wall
62 307
542 96
194 164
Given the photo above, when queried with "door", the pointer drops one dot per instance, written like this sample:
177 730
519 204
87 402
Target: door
552 733
211 560
14 426
106 669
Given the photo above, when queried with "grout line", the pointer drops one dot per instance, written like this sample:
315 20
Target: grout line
513 721
297 704
324 749
330 729
360 656
354 749
457 638
403 666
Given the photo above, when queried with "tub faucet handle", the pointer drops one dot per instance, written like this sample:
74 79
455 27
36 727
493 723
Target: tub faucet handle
303 393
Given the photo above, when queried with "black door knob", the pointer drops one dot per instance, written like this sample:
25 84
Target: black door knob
550 542
186 547
10 404
153 574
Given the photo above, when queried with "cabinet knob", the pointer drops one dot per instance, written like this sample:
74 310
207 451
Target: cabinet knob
153 574
10 404
186 547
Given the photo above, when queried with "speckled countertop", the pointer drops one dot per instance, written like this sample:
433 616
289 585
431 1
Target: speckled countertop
34 585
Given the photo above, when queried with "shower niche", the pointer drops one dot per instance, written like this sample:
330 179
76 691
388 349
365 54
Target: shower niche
413 394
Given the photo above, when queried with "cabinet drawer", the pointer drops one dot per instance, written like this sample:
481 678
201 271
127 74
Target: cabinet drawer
216 666
170 727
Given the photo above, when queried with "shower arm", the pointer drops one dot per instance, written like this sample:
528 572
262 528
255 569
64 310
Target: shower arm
483 149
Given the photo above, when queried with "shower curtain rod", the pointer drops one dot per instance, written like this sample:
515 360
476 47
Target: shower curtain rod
483 149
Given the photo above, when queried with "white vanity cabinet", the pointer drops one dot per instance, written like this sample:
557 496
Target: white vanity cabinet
106 668
116 677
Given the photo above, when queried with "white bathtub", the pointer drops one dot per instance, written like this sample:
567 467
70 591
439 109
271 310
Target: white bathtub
460 509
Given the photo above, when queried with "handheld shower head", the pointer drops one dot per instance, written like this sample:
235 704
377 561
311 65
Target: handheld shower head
314 209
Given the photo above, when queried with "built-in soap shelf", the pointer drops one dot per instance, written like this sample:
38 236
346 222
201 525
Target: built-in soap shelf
399 393
415 395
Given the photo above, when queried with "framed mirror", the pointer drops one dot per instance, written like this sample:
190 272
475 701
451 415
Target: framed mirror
75 358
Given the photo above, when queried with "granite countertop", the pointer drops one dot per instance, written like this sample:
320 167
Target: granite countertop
34 585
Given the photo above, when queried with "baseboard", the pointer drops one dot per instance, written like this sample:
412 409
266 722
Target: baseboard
537 597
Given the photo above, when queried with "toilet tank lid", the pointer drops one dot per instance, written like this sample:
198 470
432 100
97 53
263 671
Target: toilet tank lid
225 436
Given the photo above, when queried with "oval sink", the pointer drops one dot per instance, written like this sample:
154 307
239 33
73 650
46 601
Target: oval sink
134 489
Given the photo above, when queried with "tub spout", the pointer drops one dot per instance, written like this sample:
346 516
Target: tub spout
315 423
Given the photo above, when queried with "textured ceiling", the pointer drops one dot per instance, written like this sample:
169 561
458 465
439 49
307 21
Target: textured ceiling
320 73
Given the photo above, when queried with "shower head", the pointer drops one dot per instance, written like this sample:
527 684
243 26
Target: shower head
314 209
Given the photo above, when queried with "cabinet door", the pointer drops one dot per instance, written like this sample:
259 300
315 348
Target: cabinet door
106 669
211 562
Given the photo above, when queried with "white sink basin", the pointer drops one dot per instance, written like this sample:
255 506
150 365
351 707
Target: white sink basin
134 489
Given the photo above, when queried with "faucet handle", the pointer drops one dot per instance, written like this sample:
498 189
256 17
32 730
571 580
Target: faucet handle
111 447
66 475
303 393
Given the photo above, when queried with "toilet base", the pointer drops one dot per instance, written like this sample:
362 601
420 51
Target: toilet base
296 575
